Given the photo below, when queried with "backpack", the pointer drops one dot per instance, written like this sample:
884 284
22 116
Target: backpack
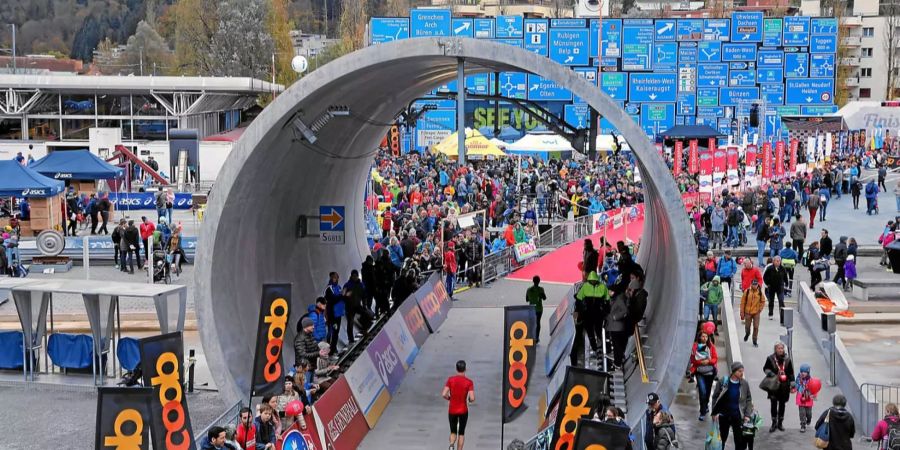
893 436
703 243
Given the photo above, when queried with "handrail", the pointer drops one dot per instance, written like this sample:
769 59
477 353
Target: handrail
731 326
229 416
874 398
639 348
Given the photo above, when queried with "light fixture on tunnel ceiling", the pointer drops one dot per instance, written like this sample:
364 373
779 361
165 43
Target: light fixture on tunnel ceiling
330 113
304 130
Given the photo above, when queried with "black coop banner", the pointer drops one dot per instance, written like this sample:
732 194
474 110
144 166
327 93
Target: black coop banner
123 418
274 314
161 362
518 358
584 392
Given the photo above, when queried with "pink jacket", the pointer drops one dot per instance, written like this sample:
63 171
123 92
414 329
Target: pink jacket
805 401
881 430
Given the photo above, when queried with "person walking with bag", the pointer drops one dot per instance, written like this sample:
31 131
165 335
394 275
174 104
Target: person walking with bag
835 428
733 405
779 368
703 366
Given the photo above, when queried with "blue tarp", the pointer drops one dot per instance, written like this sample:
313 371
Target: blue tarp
75 165
19 181
128 350
71 351
11 348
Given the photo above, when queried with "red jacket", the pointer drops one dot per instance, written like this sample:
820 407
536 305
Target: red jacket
747 276
713 357
147 229
243 436
450 261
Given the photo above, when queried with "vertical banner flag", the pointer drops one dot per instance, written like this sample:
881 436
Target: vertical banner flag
811 151
274 314
711 144
659 148
792 165
706 163
719 160
595 435
731 166
779 159
677 158
693 159
584 392
518 358
121 414
161 358
766 169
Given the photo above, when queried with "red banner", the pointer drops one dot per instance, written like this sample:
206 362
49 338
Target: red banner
750 156
779 159
343 423
679 150
711 143
792 167
692 199
693 159
718 160
766 171
706 163
731 158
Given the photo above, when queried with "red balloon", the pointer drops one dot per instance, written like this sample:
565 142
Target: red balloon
814 385
294 408
709 328
581 266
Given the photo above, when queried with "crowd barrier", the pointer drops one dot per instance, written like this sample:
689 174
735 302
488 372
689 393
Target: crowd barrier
132 201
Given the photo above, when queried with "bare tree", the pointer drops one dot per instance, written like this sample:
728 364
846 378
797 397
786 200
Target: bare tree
891 13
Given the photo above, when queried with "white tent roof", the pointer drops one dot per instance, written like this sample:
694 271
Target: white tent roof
541 143
501 144
605 143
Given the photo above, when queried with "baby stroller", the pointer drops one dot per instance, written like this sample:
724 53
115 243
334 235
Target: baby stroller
161 270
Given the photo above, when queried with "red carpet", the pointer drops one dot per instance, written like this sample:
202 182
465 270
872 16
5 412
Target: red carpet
561 266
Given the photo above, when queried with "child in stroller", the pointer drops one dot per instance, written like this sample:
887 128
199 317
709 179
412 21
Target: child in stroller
160 266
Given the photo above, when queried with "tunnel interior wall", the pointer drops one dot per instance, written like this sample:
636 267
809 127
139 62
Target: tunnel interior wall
272 177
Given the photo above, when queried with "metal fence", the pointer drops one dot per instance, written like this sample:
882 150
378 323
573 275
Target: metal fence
229 417
874 398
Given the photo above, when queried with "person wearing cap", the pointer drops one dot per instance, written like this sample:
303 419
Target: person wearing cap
305 346
654 407
752 304
733 405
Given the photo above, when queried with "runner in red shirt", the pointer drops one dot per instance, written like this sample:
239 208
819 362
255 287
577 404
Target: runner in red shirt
460 391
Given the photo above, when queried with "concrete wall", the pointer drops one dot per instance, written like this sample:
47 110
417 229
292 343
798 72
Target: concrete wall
272 177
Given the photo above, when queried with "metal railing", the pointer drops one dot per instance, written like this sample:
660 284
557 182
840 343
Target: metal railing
874 398
229 417
639 349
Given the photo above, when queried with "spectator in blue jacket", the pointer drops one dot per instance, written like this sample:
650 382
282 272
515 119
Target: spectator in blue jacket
265 428
316 313
335 308
726 268
396 253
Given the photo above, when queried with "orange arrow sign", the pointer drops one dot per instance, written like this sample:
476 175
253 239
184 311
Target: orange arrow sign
333 218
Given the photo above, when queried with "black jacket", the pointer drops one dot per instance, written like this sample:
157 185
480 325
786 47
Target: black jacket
840 251
116 235
825 246
305 346
841 426
775 277
784 389
591 260
133 236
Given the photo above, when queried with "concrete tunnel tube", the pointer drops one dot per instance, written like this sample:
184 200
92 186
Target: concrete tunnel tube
249 235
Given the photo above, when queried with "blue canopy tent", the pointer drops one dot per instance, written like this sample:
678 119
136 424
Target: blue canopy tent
19 181
76 165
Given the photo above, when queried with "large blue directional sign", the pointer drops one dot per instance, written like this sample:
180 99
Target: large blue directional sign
821 65
738 52
823 44
796 31
716 29
652 87
687 103
770 75
665 29
709 51
770 58
510 27
513 85
733 96
577 115
796 65
569 46
536 31
637 44
484 28
747 26
742 78
809 91
542 89
772 32
824 26
615 84
433 126
773 93
463 27
657 117
689 30
707 96
712 75
388 29
688 55
612 38
429 22
665 56
481 84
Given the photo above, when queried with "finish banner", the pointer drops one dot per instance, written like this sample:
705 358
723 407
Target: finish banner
595 435
274 316
677 158
792 165
693 159
161 358
434 302
120 418
779 159
518 358
584 392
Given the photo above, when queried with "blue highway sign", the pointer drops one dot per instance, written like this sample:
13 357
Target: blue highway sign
746 26
388 29
818 110
612 38
331 218
657 117
484 28
665 29
665 55
637 45
687 103
652 87
773 93
542 89
770 58
823 44
711 111
772 32
429 22
742 78
569 46
510 27
796 65
463 27
716 29
536 31
707 96
824 26
796 31
732 96
578 115
615 84
709 51
568 23
809 91
513 85
689 29
738 52
821 65
712 75
770 75
513 42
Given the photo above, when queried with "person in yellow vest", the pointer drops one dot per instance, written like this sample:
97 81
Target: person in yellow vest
591 308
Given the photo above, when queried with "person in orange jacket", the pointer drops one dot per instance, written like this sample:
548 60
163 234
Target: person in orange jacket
752 304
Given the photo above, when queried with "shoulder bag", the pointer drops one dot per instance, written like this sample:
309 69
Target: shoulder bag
823 433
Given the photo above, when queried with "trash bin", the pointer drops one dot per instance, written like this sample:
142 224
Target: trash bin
893 250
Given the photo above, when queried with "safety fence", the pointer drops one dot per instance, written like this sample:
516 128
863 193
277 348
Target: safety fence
872 402
228 418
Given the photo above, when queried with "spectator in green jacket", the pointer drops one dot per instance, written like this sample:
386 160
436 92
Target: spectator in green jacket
714 296
535 296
